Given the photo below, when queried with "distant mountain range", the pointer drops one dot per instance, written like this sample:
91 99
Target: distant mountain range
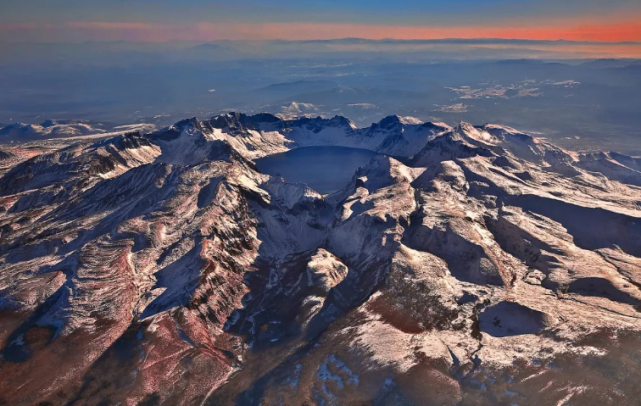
48 129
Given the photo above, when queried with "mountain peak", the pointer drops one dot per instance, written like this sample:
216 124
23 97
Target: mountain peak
394 120
240 121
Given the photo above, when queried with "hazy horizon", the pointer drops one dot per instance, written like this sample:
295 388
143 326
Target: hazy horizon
200 20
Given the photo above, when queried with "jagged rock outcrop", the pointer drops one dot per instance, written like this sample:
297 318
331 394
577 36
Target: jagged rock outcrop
479 265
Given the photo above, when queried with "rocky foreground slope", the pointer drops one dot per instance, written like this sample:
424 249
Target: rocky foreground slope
480 266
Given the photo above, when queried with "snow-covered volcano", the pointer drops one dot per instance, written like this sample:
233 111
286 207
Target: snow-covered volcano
468 265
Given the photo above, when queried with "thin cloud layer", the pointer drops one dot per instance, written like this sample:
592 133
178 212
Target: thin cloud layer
621 31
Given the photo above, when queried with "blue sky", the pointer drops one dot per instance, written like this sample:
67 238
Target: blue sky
357 11
48 17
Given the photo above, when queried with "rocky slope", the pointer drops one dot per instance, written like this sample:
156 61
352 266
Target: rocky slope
479 266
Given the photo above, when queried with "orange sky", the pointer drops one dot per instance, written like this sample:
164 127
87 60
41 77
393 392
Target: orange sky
612 32
578 30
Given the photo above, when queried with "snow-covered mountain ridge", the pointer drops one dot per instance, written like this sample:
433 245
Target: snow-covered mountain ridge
264 134
471 265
